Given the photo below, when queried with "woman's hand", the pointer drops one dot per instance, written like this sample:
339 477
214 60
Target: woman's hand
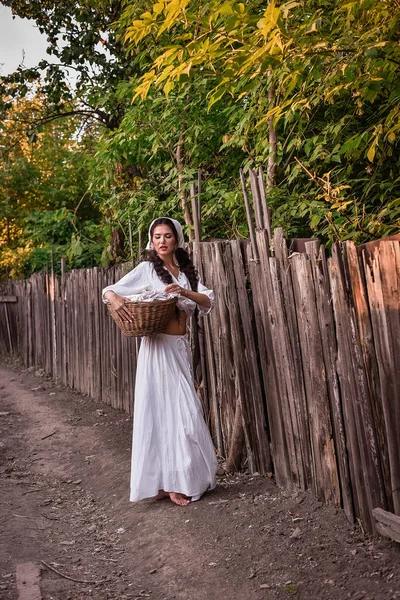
174 288
118 304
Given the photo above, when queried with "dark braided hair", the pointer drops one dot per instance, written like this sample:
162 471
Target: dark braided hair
185 264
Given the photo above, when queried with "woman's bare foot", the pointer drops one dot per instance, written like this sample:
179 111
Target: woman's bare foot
179 499
161 495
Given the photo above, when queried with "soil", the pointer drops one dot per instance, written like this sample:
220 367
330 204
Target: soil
64 468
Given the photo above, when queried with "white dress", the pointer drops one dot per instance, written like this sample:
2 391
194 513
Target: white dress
172 448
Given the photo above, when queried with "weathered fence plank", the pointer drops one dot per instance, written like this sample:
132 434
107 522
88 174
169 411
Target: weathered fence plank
387 524
324 480
365 471
366 337
209 345
262 296
209 373
253 398
285 379
382 269
231 353
329 352
294 369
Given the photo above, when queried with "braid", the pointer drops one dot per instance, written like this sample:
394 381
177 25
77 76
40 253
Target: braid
158 265
187 267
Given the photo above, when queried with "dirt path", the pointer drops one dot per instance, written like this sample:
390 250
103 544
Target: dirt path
64 465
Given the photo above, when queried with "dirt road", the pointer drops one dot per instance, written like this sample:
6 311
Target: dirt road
64 464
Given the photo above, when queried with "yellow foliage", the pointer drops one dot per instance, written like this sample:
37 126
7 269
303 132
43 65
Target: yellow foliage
269 20
12 259
371 152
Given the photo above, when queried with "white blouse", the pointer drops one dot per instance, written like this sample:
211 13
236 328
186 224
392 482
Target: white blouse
144 277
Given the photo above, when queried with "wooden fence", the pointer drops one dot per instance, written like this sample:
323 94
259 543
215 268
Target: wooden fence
62 326
298 365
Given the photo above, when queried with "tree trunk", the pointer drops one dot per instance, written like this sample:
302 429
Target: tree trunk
183 193
117 243
271 168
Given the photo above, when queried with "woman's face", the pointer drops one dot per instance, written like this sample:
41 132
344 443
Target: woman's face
164 241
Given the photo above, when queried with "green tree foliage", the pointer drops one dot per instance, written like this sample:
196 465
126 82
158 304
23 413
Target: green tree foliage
145 168
333 70
309 90
45 206
83 46
149 150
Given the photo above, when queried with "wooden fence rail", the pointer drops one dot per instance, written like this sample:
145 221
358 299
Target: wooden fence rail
298 366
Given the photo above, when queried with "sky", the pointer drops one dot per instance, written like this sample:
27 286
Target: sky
16 36
20 39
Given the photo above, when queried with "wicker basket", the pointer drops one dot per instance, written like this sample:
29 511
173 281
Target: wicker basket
147 317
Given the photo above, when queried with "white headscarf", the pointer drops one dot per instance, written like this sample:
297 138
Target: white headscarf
180 241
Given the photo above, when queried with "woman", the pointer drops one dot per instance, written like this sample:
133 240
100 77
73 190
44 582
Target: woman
172 451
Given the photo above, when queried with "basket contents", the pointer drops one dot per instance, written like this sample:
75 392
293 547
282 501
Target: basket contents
151 296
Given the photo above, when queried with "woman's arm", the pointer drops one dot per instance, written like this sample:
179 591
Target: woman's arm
134 282
200 299
117 304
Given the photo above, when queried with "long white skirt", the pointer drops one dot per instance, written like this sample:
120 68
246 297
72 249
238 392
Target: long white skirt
172 448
